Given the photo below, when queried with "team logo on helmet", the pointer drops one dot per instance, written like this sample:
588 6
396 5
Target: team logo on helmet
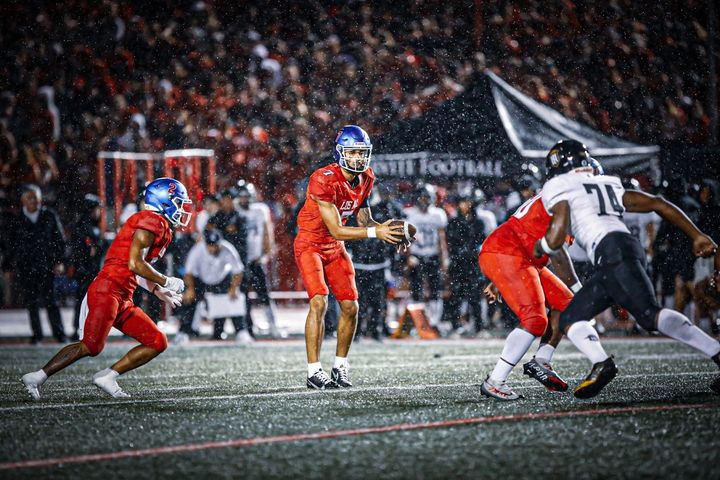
353 149
169 198
553 156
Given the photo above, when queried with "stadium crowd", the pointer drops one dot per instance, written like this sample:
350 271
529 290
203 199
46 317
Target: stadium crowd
267 87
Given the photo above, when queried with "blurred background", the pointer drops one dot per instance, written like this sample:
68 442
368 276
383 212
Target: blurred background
464 97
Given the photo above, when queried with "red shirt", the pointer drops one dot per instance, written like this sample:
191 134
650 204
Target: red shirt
328 184
518 235
115 267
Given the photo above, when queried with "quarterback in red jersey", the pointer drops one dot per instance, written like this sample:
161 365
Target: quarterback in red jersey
527 286
336 192
108 303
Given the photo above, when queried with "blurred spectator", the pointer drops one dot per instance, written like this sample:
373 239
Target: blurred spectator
260 244
210 206
37 247
228 221
428 258
372 261
87 247
465 235
179 250
673 260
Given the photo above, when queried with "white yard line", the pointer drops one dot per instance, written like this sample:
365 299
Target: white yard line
434 362
300 391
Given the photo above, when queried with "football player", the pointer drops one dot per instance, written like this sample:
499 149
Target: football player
334 193
593 206
260 245
108 303
428 257
528 287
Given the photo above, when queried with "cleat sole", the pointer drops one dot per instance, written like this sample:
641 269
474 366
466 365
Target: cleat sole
590 388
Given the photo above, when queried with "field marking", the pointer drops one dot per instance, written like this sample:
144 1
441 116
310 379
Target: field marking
291 342
528 384
244 442
432 362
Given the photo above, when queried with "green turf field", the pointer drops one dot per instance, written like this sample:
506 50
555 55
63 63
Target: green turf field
658 419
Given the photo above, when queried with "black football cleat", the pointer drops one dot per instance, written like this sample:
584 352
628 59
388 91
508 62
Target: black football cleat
544 373
320 381
601 374
340 376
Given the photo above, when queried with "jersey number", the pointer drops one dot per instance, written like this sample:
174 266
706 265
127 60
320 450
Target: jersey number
525 207
605 197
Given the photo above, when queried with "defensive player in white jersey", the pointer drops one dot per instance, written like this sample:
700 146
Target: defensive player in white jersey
260 245
428 257
594 205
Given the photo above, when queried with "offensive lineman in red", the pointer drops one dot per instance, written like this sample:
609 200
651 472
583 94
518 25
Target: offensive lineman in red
527 286
108 303
336 192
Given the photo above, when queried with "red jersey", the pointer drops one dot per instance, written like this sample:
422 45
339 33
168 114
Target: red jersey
115 267
518 235
328 184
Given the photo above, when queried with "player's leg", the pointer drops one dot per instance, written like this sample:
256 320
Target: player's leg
557 298
136 324
451 310
310 264
49 300
32 304
96 319
363 279
592 299
341 278
631 288
519 284
377 299
431 270
259 284
415 279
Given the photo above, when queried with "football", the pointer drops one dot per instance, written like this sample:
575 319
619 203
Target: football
409 229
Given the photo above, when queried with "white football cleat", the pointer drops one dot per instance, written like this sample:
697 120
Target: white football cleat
32 382
106 380
499 390
243 337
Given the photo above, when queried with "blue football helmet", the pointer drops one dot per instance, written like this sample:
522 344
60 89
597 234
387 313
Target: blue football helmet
170 199
352 137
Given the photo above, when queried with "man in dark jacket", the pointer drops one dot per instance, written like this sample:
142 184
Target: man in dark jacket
465 234
372 260
38 247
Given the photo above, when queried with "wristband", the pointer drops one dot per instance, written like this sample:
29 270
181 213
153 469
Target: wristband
371 232
576 287
546 248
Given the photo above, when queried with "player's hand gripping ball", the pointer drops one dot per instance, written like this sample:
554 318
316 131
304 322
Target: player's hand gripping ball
409 231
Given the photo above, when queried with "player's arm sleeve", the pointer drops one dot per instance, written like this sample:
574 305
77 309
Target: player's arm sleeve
321 189
443 218
554 192
153 224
